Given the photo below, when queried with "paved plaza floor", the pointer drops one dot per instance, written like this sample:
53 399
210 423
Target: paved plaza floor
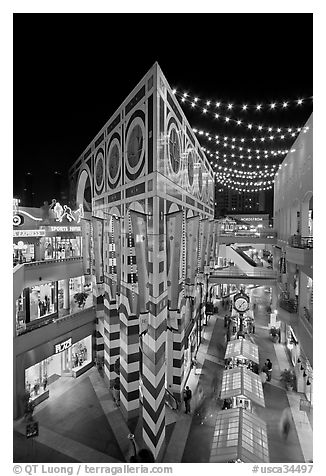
81 423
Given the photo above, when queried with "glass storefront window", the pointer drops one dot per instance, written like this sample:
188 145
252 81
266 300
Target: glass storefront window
42 375
58 248
42 300
74 295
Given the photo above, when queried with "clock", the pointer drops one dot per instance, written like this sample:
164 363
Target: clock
241 303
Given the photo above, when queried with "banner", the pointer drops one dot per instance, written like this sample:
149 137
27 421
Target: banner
209 242
139 228
203 235
213 250
86 246
98 225
173 249
192 227
116 225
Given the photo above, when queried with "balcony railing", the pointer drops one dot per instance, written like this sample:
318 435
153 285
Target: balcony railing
257 273
297 241
307 315
38 323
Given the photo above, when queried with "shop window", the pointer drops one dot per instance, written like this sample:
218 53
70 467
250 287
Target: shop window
42 301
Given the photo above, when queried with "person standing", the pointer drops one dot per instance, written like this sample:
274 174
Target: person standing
187 397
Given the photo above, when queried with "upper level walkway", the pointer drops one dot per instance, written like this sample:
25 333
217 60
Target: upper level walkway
266 237
261 276
39 272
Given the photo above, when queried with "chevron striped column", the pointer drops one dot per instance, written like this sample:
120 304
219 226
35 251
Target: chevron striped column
99 321
129 357
178 355
153 343
111 337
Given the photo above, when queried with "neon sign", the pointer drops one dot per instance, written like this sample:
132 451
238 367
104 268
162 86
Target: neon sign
66 211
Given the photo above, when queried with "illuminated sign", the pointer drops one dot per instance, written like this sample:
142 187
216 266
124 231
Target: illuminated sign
66 211
62 346
26 233
65 228
251 218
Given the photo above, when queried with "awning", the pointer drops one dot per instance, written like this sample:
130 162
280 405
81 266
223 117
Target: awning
241 348
239 435
240 381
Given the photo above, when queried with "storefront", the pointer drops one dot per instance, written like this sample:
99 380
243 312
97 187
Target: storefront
43 368
67 361
41 303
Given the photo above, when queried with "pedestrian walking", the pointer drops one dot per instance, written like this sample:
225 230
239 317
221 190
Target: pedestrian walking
187 395
285 423
269 367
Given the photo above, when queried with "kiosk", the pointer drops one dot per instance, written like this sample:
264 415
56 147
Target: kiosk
239 437
242 387
241 352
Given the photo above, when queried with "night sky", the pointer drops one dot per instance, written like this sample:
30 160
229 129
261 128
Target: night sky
71 72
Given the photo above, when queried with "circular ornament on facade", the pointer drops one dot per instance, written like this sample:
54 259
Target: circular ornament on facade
174 148
114 159
99 169
190 168
135 146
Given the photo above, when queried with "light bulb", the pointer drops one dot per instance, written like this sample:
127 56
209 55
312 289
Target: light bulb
185 95
239 122
227 119
258 107
174 91
204 111
192 104
285 104
216 116
273 105
218 104
244 107
260 128
300 101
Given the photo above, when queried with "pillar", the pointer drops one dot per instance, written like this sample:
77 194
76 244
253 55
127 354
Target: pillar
66 292
153 355
129 328
178 355
111 339
129 361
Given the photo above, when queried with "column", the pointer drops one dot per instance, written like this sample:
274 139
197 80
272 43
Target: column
177 355
66 292
153 355
111 339
129 327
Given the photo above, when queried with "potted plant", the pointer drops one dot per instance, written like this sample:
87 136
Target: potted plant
80 299
287 377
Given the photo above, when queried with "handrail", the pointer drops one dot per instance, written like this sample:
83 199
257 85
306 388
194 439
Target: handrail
52 319
256 273
32 264
168 398
297 241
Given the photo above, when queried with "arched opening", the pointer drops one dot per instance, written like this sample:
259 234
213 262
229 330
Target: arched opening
84 191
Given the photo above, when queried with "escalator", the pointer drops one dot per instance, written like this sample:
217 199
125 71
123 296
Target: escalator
244 255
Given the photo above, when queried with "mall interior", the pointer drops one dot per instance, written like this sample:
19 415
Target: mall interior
136 292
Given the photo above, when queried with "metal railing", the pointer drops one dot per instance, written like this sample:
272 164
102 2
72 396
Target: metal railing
170 400
37 324
307 315
297 241
257 273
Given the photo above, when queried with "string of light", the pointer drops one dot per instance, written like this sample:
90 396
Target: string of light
229 106
221 142
247 190
253 139
247 183
290 133
218 154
